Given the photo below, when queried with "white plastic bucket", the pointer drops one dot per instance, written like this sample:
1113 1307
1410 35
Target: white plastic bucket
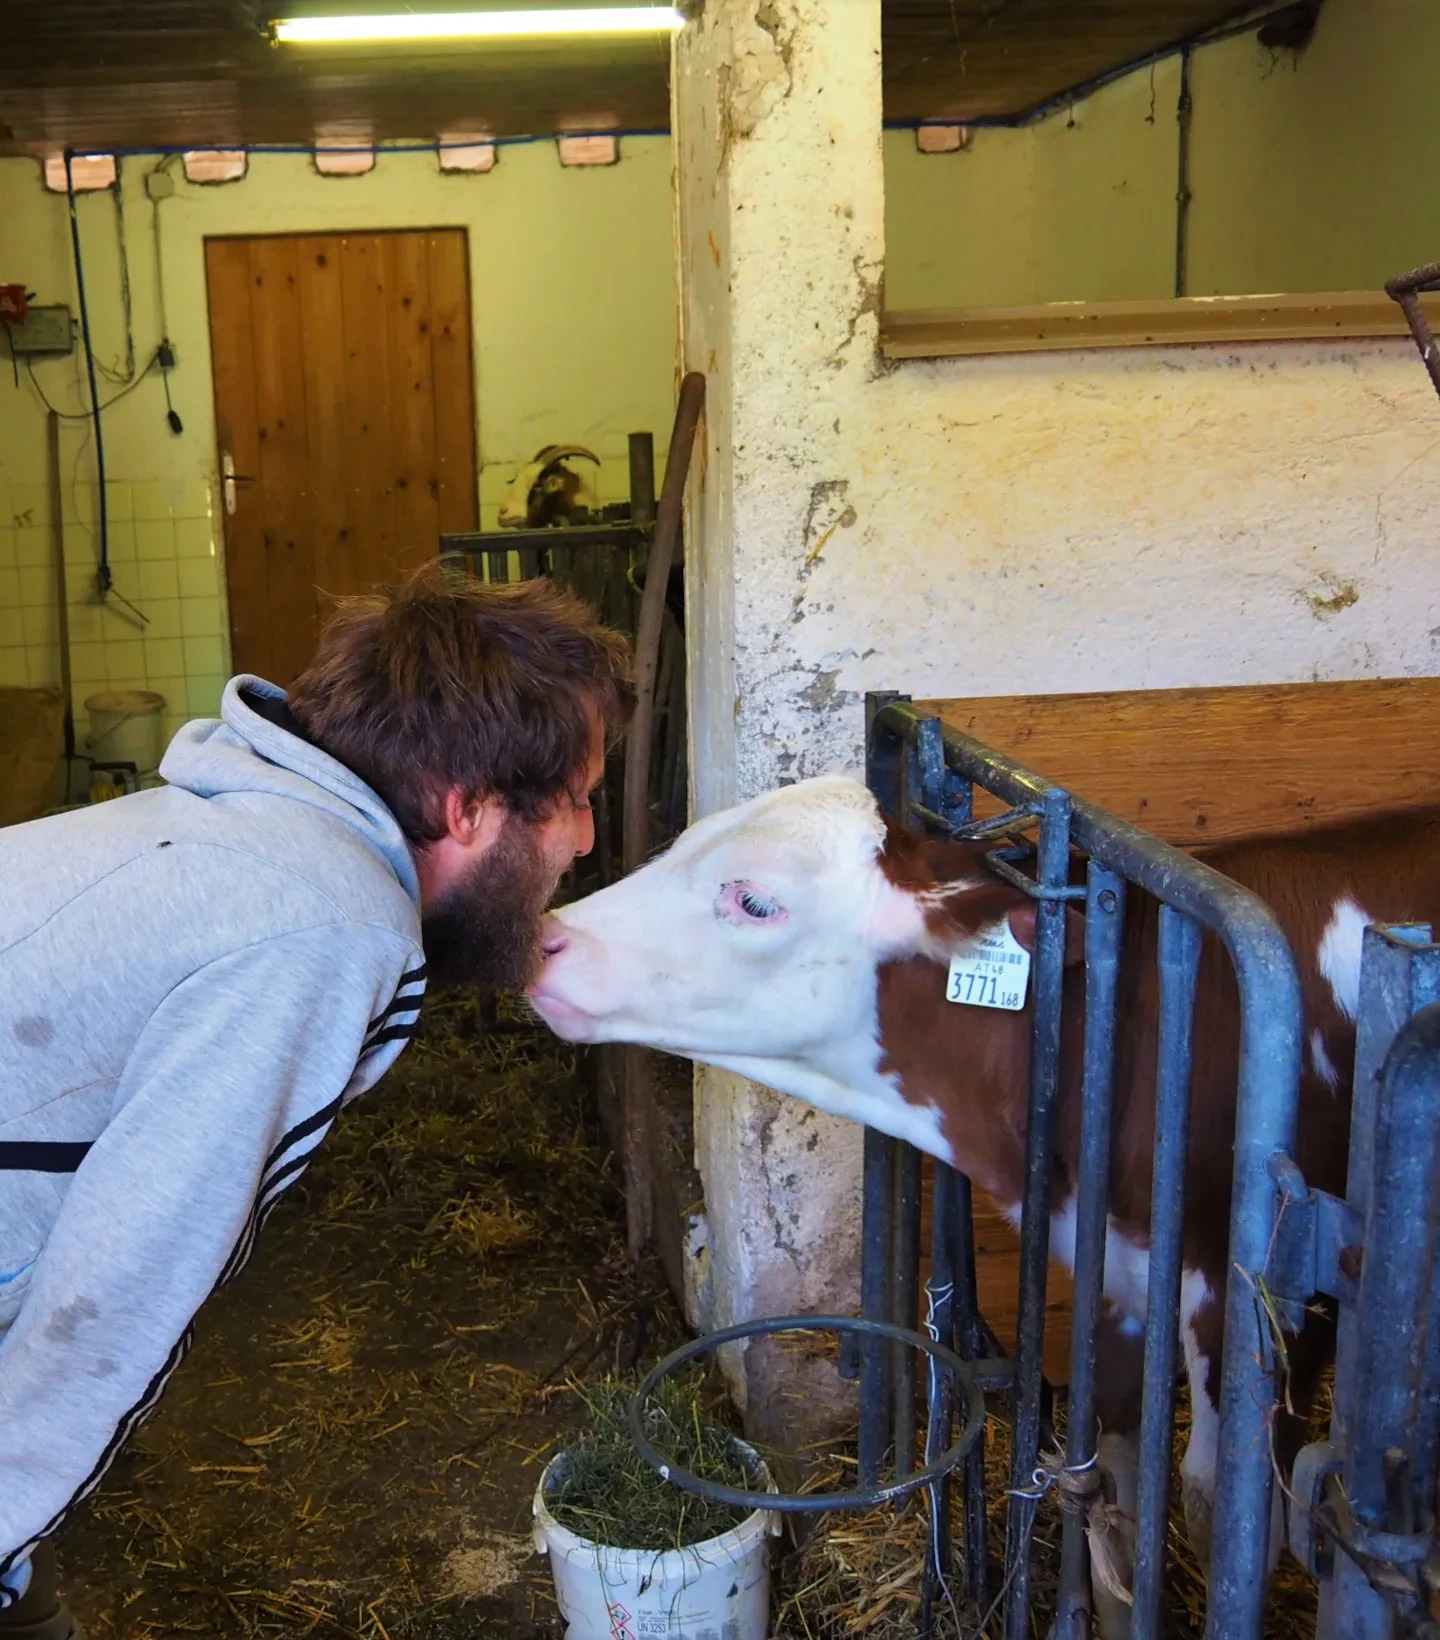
715 1590
127 726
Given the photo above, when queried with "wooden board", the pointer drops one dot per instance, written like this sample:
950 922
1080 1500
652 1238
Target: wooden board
933 333
1197 766
344 391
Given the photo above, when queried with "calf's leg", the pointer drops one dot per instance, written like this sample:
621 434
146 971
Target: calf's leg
1201 1326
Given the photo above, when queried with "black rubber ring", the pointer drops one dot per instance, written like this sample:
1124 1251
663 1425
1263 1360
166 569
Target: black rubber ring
865 1497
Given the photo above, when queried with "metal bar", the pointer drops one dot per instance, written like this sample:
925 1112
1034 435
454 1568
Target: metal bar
1395 1277
1104 924
62 588
1390 991
1270 1023
1405 289
1184 107
884 774
555 538
925 767
642 479
1052 871
970 1345
941 1323
1179 962
905 1296
874 1301
1270 1029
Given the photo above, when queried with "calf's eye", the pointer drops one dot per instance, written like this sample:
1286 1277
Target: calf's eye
747 903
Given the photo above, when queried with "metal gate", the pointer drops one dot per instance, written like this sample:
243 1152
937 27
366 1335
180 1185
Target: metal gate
1388 1383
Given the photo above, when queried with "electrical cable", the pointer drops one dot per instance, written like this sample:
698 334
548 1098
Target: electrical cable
87 415
103 578
125 377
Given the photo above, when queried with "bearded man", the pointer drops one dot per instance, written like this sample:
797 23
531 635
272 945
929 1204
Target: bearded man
196 980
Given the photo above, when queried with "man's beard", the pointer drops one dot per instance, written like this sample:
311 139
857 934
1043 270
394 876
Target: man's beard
485 930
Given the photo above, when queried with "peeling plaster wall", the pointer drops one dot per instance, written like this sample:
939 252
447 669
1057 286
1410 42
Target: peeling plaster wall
781 293
1109 520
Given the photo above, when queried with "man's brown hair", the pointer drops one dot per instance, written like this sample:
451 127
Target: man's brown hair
445 681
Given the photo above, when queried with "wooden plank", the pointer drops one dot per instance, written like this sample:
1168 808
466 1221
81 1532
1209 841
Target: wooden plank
1168 322
1198 766
414 460
326 413
284 467
367 392
453 369
227 280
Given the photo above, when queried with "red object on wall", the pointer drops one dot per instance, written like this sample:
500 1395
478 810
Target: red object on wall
12 302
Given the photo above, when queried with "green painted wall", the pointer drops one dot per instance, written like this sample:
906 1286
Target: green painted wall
1320 172
573 328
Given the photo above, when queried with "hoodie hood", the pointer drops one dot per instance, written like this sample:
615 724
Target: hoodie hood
241 752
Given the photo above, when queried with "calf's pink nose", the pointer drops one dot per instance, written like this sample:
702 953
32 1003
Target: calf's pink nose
553 938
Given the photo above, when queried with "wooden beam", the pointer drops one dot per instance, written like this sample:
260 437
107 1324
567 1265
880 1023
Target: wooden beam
1058 326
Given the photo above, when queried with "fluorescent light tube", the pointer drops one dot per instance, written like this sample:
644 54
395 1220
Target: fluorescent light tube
478 25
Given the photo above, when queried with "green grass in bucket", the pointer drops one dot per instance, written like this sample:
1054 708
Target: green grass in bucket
609 1494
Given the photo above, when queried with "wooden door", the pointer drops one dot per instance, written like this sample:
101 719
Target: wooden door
344 405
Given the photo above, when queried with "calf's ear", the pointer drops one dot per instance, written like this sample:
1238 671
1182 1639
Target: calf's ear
1022 926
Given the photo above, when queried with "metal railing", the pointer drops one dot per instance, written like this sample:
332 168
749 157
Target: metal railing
1362 1502
924 774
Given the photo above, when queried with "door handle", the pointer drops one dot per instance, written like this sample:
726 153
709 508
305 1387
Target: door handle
230 478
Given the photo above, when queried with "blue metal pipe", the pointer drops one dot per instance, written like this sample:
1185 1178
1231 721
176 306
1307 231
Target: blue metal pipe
876 1218
1104 924
1396 1278
905 1298
1179 961
970 1346
1053 872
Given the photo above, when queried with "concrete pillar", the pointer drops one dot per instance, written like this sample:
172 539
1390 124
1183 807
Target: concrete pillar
777 122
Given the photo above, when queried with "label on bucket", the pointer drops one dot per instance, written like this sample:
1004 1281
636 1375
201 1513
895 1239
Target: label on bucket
625 1625
657 1626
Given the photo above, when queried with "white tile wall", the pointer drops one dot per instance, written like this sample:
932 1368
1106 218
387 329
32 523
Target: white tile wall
163 560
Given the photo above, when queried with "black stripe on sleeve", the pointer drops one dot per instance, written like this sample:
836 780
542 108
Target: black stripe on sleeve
303 1130
41 1155
412 976
391 1033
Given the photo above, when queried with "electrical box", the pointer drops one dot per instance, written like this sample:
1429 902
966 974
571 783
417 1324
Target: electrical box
42 330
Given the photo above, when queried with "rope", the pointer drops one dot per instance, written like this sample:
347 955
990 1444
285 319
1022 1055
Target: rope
1109 1529
933 1297
1081 1489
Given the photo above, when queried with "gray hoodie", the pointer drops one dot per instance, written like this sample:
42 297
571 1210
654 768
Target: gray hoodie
193 982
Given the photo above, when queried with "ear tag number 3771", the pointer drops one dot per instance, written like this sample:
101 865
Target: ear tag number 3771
990 971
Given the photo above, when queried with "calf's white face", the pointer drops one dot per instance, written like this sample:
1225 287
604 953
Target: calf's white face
752 944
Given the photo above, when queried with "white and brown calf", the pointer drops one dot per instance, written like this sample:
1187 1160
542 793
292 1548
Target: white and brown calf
802 942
